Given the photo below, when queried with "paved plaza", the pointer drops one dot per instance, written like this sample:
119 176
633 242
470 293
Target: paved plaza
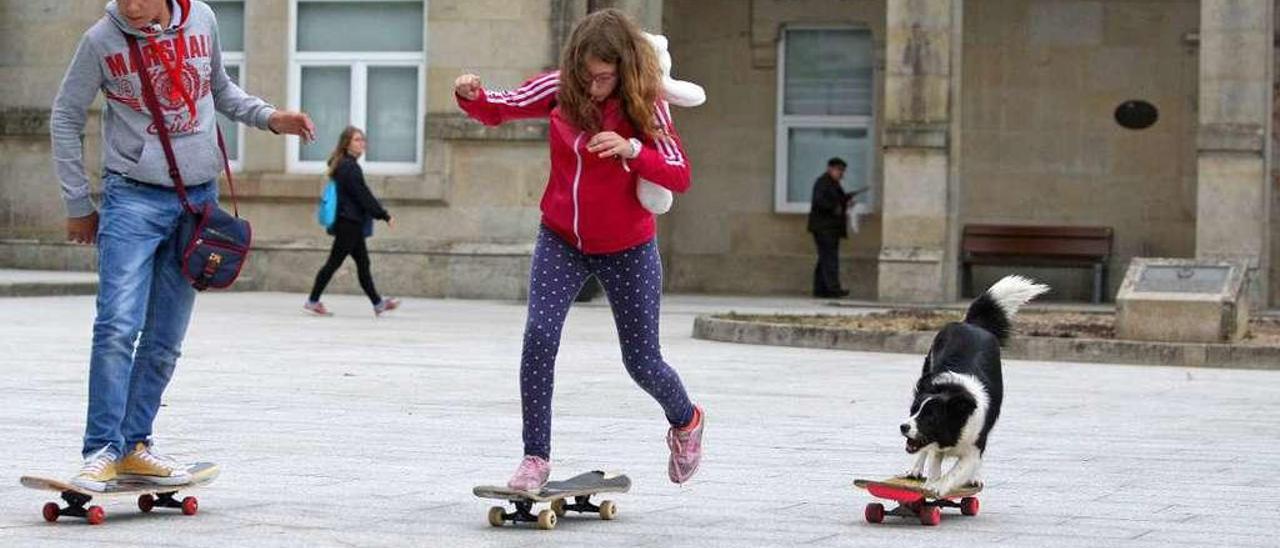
356 431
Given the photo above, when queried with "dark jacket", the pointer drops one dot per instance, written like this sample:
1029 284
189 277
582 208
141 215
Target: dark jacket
827 208
355 201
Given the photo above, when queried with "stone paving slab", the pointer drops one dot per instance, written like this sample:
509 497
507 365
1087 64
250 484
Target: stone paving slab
356 431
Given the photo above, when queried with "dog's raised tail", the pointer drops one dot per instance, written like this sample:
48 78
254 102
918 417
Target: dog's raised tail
995 309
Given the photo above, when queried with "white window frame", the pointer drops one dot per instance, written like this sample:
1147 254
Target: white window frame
788 121
236 59
359 63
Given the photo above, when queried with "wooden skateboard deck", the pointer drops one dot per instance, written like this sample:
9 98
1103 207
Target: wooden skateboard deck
580 488
914 501
150 495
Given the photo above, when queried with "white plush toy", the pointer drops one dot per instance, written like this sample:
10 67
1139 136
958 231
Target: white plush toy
678 92
654 197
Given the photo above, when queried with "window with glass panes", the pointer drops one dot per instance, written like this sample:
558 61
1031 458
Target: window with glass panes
360 63
230 16
825 106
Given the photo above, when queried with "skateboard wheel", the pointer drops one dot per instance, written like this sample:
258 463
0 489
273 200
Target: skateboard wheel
497 516
146 503
969 506
557 506
608 510
547 519
874 512
51 511
96 515
190 506
930 515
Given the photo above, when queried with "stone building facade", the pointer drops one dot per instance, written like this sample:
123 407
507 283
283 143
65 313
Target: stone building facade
951 112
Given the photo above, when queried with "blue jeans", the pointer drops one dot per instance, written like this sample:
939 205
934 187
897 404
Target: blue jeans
144 302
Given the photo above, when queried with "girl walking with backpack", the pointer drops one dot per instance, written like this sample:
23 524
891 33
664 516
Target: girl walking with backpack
357 208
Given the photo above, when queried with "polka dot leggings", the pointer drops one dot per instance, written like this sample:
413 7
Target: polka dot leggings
632 279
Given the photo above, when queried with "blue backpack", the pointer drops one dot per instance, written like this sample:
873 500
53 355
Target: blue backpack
327 209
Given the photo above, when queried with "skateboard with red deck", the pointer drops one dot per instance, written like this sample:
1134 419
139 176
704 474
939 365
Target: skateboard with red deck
916 502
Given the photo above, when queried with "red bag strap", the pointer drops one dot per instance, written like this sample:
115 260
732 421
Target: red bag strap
226 168
162 129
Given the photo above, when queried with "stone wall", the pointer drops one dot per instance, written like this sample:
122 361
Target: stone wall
1039 143
463 227
1028 136
724 236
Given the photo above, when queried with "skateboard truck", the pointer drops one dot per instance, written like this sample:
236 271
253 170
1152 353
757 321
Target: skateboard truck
582 504
547 518
75 508
96 514
189 505
928 511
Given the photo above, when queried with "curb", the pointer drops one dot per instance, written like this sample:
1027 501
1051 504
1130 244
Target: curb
38 289
1019 348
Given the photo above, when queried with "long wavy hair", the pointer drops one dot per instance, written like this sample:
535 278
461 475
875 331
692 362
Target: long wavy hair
344 141
610 36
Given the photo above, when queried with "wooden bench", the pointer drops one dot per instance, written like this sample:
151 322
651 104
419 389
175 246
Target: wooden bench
1052 246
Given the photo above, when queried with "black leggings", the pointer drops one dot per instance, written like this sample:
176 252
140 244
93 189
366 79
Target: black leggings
348 240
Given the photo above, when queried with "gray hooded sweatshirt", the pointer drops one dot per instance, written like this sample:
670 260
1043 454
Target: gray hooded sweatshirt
130 145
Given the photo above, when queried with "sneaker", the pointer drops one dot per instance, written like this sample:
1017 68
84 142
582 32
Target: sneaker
317 308
99 468
145 464
387 304
531 474
686 448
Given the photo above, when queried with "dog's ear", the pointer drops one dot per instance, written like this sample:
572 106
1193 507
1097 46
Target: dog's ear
924 384
961 403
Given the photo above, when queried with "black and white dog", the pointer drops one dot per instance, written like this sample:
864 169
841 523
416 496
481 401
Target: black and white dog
957 399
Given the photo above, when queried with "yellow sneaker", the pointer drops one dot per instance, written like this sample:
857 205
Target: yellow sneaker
99 468
144 464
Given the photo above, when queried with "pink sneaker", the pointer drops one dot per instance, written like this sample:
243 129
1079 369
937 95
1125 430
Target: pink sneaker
317 308
388 304
531 474
686 448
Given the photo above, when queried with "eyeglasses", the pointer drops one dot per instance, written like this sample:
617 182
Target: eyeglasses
602 79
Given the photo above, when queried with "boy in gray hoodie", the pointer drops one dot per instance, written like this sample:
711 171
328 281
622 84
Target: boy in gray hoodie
142 295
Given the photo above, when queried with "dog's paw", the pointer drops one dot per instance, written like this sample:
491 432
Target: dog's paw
936 489
912 474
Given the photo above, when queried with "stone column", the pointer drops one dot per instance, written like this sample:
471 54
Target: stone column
921 52
1233 150
266 56
564 13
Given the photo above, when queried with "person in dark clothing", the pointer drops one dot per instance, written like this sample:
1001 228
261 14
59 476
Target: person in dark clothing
357 208
829 223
